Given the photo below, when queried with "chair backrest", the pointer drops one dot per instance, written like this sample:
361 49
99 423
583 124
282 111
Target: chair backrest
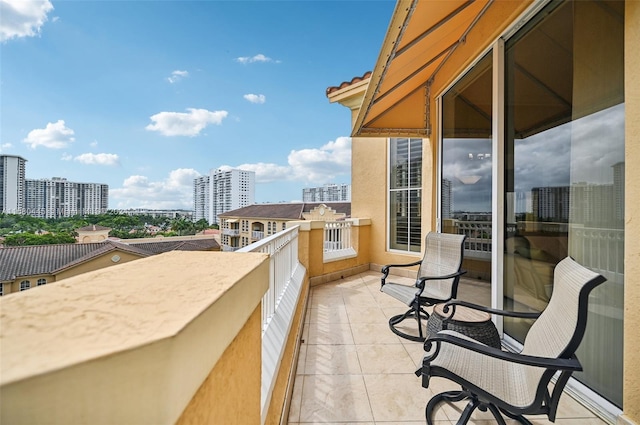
560 328
443 254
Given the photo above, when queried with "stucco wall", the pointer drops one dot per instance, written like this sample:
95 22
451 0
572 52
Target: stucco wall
632 223
231 392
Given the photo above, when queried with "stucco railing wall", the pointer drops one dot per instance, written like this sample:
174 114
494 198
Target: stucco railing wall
173 338
312 256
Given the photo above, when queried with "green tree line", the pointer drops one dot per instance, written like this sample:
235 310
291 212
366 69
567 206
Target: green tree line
19 229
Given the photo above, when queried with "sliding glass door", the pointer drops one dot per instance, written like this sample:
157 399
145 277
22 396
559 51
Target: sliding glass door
563 160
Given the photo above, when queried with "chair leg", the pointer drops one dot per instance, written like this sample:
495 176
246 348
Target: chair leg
448 396
418 315
519 418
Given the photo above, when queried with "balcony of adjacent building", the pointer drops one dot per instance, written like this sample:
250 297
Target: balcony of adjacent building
290 330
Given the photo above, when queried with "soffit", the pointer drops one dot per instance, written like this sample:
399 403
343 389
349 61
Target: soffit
420 38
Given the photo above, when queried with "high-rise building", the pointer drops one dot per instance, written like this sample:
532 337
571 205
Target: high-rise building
201 198
12 178
58 197
327 193
221 191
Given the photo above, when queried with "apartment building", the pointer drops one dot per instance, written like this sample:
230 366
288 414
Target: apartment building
12 181
58 197
244 226
221 191
327 193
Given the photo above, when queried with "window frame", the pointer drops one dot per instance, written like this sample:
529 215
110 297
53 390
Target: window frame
408 190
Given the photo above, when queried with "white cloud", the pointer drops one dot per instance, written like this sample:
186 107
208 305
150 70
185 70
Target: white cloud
98 158
255 98
177 75
5 146
321 165
185 124
66 157
266 172
175 191
54 136
257 58
94 144
21 18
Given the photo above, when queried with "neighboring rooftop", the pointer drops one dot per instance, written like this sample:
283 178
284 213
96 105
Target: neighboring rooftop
49 259
286 211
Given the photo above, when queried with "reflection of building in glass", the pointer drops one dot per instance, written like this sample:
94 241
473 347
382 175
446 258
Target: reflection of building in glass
447 201
592 204
618 191
551 203
523 202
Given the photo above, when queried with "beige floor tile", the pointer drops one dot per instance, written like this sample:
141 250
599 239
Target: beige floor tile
302 359
296 399
373 333
329 333
317 301
334 398
332 360
367 314
322 313
382 359
398 397
353 370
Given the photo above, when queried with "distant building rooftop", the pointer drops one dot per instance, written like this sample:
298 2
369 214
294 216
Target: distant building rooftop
286 211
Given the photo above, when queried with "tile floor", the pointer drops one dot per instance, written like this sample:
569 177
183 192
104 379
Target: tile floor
353 370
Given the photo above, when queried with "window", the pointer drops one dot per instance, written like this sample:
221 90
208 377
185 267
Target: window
405 193
41 282
466 163
24 285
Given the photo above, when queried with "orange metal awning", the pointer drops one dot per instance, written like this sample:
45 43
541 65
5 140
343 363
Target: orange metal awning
420 38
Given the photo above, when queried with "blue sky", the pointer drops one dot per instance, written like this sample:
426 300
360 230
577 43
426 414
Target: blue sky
147 95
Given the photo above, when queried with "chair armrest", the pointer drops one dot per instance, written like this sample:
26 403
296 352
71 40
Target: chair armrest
420 282
385 269
571 364
507 313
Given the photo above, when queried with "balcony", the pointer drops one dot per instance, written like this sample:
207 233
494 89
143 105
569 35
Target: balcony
271 334
231 232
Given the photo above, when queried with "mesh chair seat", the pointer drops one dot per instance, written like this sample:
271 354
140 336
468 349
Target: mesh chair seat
437 281
514 383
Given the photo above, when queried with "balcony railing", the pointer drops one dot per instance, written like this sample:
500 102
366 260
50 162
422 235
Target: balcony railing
257 235
231 232
337 240
279 303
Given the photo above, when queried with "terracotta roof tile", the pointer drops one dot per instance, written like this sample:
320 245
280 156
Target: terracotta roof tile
19 261
348 83
286 211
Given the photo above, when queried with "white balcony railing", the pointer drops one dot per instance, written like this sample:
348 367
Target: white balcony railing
337 240
231 232
257 235
286 276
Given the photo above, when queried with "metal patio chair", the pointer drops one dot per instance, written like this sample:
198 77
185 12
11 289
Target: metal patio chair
516 384
437 281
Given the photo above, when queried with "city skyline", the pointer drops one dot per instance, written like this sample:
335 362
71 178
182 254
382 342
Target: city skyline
147 96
